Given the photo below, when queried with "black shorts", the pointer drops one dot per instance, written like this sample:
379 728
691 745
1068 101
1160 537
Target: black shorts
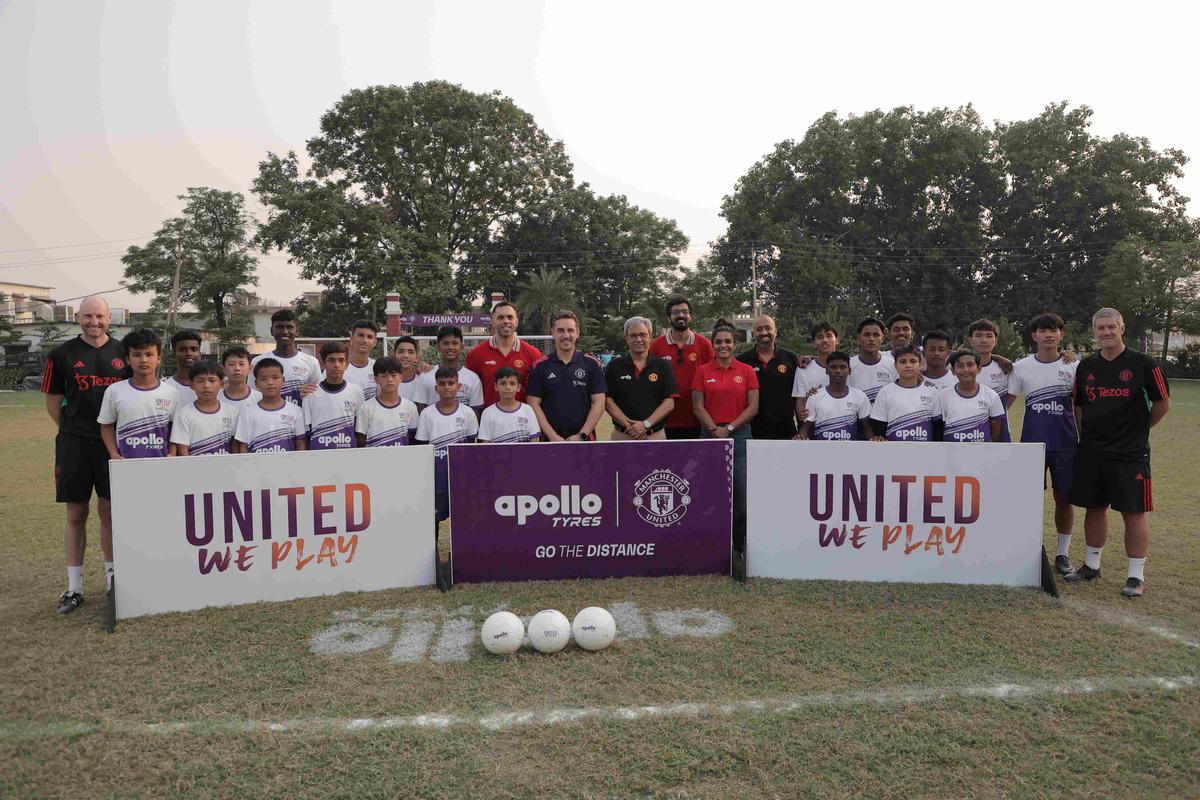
1120 485
80 464
778 430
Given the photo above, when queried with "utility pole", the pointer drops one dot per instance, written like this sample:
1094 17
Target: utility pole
173 312
754 282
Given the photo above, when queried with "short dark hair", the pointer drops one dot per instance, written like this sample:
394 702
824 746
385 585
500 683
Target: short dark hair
678 300
722 325
1048 320
506 372
957 354
185 335
821 327
205 367
945 337
837 355
364 323
565 314
407 340
901 317
235 352
869 321
983 325
283 315
141 339
906 350
504 303
386 365
263 363
445 372
449 330
329 348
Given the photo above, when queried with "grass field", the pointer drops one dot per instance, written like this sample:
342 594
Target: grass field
771 689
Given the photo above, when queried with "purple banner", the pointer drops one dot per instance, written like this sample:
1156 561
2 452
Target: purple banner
590 510
467 320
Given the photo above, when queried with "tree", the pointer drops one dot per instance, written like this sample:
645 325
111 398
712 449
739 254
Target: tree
332 316
1154 286
405 182
209 244
543 293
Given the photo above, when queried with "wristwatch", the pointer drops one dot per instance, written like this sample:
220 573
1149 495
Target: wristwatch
731 428
646 424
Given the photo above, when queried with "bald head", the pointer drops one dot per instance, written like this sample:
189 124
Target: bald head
764 333
94 318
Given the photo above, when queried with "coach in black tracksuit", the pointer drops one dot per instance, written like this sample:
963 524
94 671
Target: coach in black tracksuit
776 370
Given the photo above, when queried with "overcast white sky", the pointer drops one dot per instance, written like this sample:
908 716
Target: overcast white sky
111 109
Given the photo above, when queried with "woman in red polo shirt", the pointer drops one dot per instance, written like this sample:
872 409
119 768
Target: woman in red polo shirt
725 399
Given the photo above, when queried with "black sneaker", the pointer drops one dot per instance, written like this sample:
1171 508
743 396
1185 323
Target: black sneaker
1083 573
69 602
1063 565
1134 587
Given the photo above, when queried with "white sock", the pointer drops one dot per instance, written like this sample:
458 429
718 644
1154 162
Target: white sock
1091 556
1137 567
108 572
75 579
1064 544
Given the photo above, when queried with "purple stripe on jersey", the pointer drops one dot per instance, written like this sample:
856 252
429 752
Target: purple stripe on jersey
277 441
394 437
915 427
844 428
1050 418
217 444
334 434
972 429
145 438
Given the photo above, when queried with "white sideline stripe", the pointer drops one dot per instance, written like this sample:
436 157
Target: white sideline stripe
1112 616
505 720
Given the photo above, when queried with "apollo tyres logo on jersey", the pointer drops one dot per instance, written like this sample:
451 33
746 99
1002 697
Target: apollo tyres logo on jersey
662 498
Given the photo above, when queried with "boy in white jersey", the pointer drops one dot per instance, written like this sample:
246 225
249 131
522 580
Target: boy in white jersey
1048 382
907 410
272 425
363 335
329 412
387 419
470 388
983 335
135 414
837 412
205 426
408 353
442 424
873 367
508 420
185 345
301 372
810 375
936 345
236 363
970 412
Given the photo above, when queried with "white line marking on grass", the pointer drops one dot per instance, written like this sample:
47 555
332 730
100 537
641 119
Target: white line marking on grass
505 720
1114 616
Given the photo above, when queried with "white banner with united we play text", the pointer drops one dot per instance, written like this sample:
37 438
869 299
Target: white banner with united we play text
221 530
868 511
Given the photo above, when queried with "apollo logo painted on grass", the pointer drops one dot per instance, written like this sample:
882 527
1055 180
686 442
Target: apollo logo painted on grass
442 635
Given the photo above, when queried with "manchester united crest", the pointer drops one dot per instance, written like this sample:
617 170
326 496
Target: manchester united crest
653 377
662 498
520 362
782 368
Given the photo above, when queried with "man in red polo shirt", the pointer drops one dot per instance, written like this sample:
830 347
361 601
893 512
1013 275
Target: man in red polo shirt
504 349
686 350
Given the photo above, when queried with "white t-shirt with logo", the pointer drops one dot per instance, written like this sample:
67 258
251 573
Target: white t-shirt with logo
1049 404
812 376
298 370
329 416
252 397
411 389
470 388
205 433
996 379
908 412
441 431
870 378
142 417
265 430
186 395
387 426
362 377
947 381
502 427
968 419
837 418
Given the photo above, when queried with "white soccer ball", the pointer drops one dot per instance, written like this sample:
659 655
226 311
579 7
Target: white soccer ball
594 628
549 631
502 633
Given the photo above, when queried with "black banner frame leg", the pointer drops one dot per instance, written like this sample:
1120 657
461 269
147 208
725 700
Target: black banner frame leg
110 611
1049 583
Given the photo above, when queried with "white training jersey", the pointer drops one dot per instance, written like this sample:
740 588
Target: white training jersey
205 433
251 397
947 381
470 388
142 416
502 427
837 418
869 378
186 395
362 377
411 389
298 370
968 419
387 426
811 377
908 412
265 430
1049 405
330 415
442 430
996 379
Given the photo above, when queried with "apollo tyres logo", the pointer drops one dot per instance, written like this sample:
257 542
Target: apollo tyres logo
662 498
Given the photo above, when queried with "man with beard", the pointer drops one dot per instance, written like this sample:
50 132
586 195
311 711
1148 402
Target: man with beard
504 349
776 369
687 351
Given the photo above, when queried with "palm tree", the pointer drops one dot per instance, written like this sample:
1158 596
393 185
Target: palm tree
545 292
